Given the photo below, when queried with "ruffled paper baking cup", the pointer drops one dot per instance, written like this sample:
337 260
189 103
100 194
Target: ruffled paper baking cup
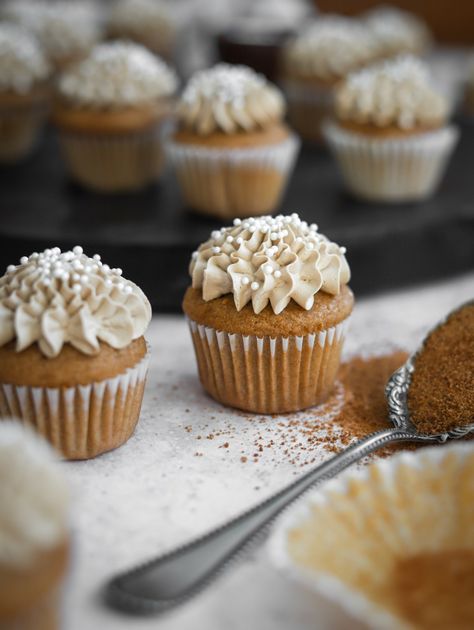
82 421
113 163
20 128
268 374
346 547
233 182
392 170
308 107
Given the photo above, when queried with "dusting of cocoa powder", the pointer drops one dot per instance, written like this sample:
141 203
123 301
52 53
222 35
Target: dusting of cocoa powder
441 394
433 590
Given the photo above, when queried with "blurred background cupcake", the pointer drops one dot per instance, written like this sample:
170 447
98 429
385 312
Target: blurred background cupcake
315 61
24 92
398 32
231 150
147 22
391 546
391 137
268 310
73 359
110 112
66 29
34 531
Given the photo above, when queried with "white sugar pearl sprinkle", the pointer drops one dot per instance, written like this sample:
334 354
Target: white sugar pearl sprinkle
268 269
194 255
245 281
11 268
254 286
215 234
230 239
237 221
76 288
105 268
342 250
277 273
23 260
274 236
96 257
216 250
127 289
77 250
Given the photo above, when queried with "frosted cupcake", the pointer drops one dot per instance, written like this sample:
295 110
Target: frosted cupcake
268 309
147 22
391 137
73 358
109 113
315 61
34 531
398 32
231 150
390 546
24 92
66 29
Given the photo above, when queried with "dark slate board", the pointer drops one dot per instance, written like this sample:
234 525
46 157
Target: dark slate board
151 235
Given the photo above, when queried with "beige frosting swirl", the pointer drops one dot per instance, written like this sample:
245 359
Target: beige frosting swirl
396 92
398 31
329 48
22 63
55 298
141 18
229 98
34 498
269 260
118 74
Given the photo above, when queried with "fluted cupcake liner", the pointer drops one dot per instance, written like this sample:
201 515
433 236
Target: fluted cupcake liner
339 547
233 182
308 107
392 170
20 128
82 421
268 374
114 162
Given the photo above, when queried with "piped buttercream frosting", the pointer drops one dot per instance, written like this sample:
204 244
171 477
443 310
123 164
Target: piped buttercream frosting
269 260
396 92
53 298
118 74
398 31
34 498
229 99
22 63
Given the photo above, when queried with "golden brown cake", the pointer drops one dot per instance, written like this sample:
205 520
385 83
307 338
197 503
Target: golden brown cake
390 136
231 151
24 92
73 359
315 61
109 112
268 309
34 531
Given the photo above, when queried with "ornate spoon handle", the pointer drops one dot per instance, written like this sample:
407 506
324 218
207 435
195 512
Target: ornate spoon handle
174 577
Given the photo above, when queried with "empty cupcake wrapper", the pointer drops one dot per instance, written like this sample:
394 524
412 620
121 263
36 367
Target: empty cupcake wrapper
363 522
392 170
233 182
268 374
114 163
82 421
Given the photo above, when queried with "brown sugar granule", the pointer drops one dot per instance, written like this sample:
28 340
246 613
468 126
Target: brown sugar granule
441 394
434 590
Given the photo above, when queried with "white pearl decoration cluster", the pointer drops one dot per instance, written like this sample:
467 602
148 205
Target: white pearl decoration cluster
22 62
71 268
277 229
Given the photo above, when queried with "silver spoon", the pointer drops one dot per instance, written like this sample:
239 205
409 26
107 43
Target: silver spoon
175 577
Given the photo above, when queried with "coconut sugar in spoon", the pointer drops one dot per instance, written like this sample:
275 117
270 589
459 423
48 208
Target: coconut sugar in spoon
171 579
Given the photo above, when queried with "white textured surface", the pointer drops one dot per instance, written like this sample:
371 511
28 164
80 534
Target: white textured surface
155 493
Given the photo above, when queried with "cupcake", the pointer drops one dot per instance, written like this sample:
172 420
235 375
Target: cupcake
73 358
391 546
66 29
391 137
315 61
147 22
34 531
231 151
268 310
398 32
24 92
110 112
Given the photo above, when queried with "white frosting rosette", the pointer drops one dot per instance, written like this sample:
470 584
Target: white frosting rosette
269 260
398 31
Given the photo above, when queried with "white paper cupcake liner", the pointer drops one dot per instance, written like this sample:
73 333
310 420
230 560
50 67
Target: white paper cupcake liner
113 162
233 182
82 421
369 518
308 107
20 129
268 374
392 170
